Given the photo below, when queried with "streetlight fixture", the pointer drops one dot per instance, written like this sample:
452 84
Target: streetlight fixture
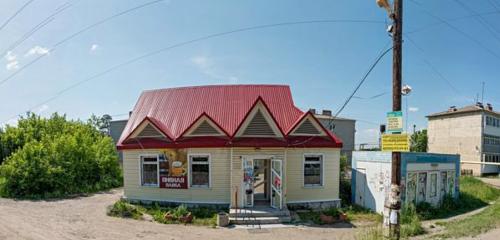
405 91
386 5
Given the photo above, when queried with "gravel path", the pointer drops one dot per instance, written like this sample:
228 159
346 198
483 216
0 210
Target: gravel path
85 218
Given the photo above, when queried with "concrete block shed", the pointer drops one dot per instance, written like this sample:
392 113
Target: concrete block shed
425 177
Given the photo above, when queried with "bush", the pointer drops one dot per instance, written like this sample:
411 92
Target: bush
345 183
124 210
410 221
56 157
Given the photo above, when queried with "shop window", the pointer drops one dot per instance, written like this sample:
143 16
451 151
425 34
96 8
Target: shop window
149 170
313 170
200 170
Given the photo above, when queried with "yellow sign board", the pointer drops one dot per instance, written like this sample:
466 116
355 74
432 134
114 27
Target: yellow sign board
395 143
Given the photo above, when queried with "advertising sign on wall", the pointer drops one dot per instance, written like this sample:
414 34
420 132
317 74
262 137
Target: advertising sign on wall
173 169
177 182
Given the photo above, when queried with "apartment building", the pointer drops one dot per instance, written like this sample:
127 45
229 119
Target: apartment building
471 131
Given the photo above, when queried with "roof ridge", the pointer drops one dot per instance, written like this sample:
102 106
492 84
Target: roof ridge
217 86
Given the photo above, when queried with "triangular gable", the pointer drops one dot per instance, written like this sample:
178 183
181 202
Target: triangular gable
204 126
147 129
308 126
259 123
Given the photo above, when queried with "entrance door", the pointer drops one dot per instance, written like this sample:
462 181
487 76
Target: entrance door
276 183
261 186
248 178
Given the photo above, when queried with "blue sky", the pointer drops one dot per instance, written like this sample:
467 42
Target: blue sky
322 62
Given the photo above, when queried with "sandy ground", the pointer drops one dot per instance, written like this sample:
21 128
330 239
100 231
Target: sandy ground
85 218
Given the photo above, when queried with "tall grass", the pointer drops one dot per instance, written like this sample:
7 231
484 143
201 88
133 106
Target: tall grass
474 194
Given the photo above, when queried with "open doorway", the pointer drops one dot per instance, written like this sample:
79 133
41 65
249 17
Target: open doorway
261 183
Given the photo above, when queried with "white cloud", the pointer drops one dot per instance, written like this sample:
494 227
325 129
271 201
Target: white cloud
94 47
42 108
12 65
12 62
207 66
413 109
37 50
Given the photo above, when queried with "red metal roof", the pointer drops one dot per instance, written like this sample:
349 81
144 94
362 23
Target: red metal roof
174 110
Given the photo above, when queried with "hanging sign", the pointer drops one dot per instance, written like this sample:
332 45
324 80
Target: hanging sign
395 122
395 143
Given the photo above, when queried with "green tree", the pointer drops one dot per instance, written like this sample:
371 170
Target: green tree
101 123
55 157
418 141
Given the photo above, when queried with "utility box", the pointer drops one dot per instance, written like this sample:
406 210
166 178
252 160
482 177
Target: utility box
425 177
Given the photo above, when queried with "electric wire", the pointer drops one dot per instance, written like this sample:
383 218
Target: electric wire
365 76
479 43
493 31
59 43
37 27
176 45
15 14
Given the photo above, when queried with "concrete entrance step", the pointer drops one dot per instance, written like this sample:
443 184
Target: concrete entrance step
259 215
259 220
258 212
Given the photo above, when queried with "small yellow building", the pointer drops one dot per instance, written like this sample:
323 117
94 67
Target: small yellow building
240 146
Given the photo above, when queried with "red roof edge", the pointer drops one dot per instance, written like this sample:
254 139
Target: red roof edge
259 98
328 133
196 120
152 121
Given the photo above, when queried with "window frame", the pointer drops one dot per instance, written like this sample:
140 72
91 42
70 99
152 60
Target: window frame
190 174
157 163
322 170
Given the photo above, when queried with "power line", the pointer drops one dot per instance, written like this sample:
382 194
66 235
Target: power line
330 123
362 81
481 20
432 67
452 20
15 14
180 44
479 43
372 97
76 34
37 27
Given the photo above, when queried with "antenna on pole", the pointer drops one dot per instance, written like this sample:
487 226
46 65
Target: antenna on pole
482 93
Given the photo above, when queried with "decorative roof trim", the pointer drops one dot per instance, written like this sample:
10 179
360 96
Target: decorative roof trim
246 119
198 121
301 121
147 120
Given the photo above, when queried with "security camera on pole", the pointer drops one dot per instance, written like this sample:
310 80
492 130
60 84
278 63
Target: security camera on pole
393 203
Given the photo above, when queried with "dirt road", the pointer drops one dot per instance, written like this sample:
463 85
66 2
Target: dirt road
85 218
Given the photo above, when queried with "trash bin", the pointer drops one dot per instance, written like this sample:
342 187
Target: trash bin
222 219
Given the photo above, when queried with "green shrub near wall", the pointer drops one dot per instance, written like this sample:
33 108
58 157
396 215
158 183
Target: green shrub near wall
55 157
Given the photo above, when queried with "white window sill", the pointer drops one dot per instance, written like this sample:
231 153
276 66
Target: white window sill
313 186
200 187
150 185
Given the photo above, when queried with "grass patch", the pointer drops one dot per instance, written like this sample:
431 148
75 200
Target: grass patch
474 194
354 213
410 222
475 224
203 216
125 210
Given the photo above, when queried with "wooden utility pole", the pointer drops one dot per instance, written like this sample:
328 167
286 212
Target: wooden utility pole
395 197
